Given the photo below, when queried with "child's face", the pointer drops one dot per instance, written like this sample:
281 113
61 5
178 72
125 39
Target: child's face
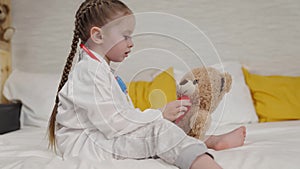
117 38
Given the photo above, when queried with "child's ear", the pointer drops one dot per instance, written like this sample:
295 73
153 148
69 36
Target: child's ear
96 35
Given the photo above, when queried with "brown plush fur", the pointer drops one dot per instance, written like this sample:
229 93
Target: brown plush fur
211 86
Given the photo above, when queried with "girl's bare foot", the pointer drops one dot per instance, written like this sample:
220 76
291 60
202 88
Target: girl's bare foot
232 139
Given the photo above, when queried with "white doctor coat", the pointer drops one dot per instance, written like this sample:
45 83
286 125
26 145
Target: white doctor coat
97 121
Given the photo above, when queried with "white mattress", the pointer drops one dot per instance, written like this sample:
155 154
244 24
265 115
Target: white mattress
268 146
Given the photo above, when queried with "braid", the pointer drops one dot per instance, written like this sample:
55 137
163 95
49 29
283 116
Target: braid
90 13
69 62
63 80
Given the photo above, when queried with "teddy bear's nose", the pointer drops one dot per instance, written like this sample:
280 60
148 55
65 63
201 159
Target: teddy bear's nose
195 82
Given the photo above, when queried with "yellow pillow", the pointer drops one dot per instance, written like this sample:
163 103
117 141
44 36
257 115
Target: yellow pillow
154 94
275 98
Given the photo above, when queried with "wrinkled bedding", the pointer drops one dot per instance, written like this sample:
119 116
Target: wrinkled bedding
273 145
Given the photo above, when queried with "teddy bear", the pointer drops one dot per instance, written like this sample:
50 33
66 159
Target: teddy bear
205 87
5 33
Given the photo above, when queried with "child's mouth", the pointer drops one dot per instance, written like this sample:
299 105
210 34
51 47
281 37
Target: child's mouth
126 53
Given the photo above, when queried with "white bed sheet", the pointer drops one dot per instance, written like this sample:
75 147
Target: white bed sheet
268 146
273 145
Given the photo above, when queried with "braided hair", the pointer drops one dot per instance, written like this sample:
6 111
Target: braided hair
90 13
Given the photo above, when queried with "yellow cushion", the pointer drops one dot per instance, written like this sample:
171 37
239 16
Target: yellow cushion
276 98
154 94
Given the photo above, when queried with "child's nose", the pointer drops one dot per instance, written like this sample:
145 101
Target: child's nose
130 43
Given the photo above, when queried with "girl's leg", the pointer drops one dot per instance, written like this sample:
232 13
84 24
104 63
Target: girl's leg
204 162
232 139
161 138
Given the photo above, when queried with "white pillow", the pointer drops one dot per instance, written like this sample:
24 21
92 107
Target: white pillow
237 106
37 94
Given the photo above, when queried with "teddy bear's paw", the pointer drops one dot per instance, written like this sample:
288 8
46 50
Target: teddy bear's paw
9 32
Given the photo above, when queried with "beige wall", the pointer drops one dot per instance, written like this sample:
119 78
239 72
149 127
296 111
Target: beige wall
262 34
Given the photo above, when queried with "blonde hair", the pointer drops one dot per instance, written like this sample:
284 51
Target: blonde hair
90 13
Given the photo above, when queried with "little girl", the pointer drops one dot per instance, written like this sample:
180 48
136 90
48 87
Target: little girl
93 118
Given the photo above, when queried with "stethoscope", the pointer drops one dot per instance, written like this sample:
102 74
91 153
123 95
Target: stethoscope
119 80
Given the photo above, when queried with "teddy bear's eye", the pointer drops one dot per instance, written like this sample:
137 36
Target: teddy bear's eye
183 82
222 84
195 81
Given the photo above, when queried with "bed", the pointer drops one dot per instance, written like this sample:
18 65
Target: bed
268 146
242 35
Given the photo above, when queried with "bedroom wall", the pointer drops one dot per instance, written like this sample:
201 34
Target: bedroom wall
265 35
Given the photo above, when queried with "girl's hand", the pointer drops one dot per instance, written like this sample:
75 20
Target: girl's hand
174 109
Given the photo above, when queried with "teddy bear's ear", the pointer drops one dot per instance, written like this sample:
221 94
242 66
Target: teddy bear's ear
228 81
6 8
